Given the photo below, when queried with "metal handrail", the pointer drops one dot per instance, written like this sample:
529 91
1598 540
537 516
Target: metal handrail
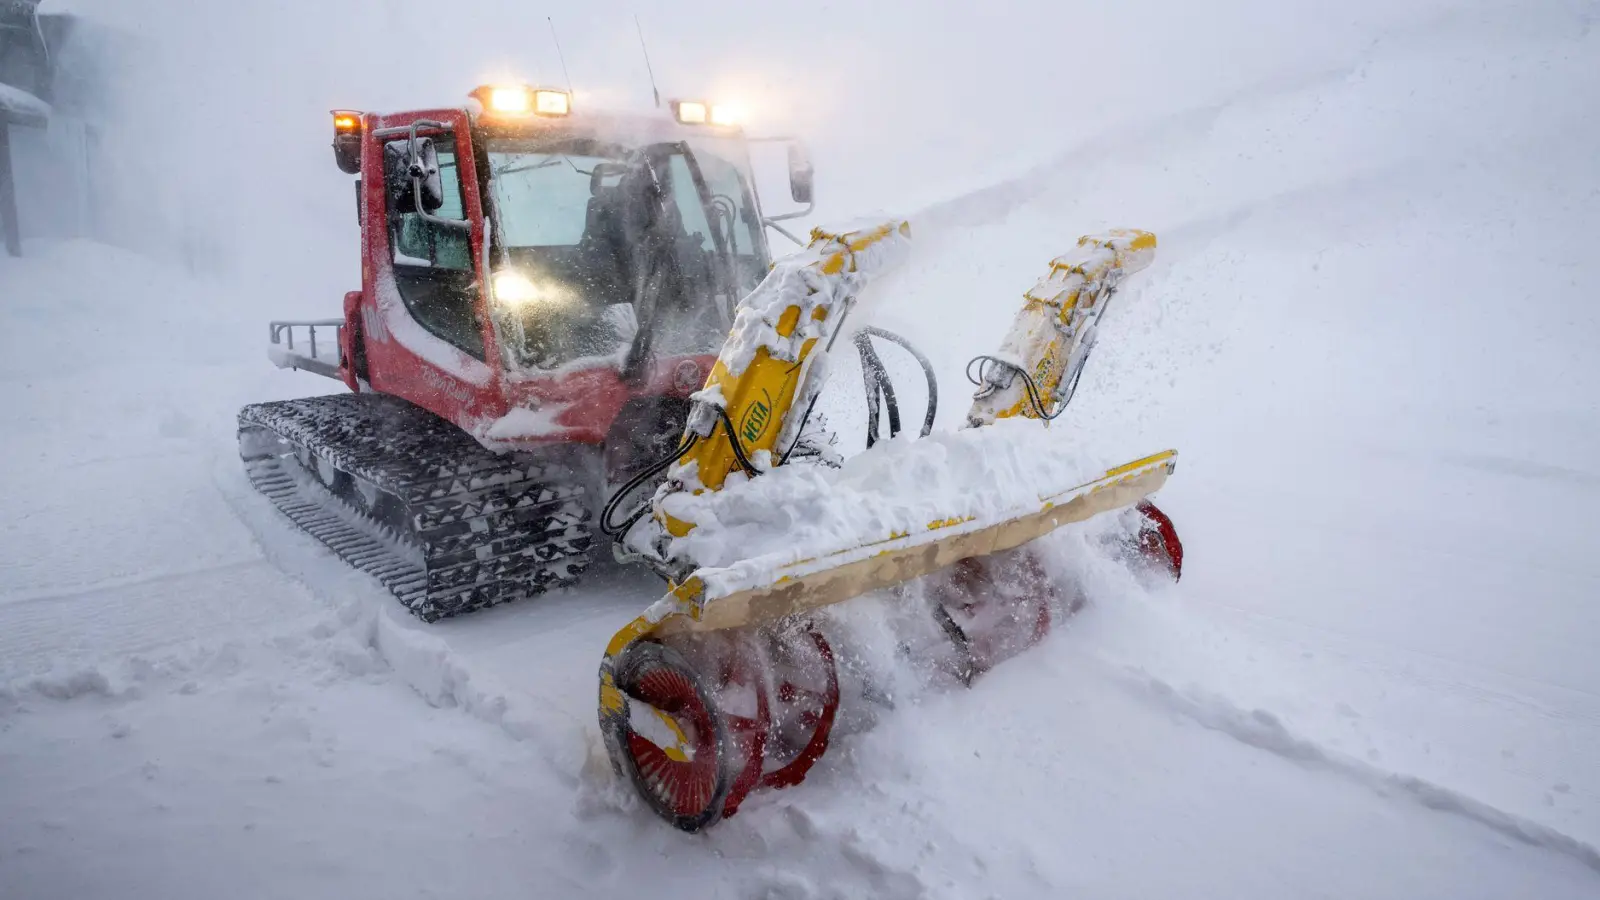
281 334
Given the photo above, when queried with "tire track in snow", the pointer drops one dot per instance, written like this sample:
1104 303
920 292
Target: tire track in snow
110 622
1261 729
116 584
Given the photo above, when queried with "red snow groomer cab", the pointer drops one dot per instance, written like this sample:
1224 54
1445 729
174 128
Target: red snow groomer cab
534 278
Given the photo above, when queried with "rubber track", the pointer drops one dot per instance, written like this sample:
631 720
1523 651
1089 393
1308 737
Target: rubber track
468 528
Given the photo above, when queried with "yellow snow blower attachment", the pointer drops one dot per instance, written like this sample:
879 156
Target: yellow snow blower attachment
727 683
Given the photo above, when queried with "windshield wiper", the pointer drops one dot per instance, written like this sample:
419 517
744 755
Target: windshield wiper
544 163
729 268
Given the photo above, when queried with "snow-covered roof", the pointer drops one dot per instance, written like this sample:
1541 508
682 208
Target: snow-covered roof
21 107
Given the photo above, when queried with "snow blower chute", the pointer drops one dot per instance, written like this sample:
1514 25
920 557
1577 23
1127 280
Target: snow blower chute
728 683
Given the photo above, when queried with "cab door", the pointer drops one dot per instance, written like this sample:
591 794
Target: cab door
424 314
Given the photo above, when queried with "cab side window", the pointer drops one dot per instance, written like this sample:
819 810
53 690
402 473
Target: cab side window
433 262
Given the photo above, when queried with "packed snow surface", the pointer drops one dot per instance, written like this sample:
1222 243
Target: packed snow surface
1368 330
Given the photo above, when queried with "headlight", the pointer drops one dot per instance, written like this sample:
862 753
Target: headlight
508 99
514 290
551 103
514 101
691 112
699 112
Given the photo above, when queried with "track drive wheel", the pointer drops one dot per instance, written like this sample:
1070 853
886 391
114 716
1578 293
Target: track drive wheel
321 470
692 760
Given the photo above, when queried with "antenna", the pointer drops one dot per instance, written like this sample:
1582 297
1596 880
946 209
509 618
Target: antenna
647 68
559 54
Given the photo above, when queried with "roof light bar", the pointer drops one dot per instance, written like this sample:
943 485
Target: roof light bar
518 100
691 112
699 112
552 103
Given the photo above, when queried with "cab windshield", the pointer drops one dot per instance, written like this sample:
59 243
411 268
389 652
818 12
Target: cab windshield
614 240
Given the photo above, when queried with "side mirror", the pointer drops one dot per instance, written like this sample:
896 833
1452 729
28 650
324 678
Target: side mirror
801 174
802 179
412 171
424 171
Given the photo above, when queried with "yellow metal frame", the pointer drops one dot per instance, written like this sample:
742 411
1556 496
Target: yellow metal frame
801 303
1057 319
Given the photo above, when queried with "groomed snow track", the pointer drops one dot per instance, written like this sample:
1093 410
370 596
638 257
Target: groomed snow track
446 525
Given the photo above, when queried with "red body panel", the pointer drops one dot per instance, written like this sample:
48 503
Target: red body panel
351 345
584 402
590 399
